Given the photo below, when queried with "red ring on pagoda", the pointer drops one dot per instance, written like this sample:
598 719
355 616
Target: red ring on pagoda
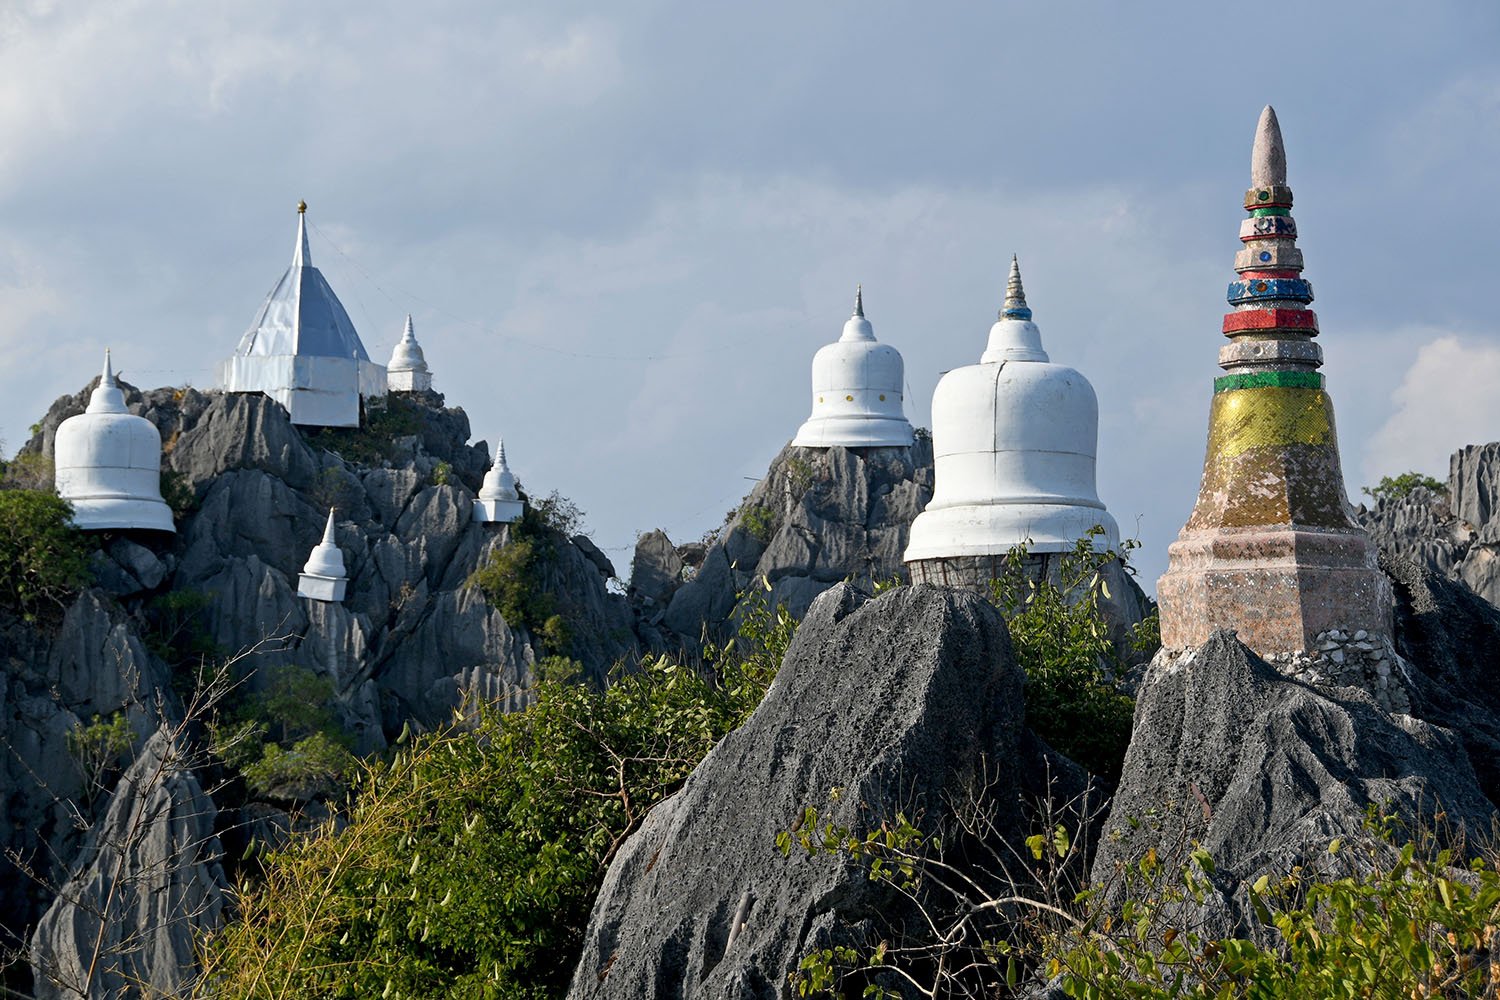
1302 320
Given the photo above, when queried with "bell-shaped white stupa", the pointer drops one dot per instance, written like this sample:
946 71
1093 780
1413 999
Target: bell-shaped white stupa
302 350
408 371
856 388
1014 440
499 502
108 464
324 577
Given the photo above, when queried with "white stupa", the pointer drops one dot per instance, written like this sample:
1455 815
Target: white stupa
108 464
1014 438
408 371
499 502
303 351
856 388
324 577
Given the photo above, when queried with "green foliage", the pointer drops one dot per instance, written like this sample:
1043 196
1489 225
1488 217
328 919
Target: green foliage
1396 487
28 471
466 865
374 441
178 493
43 558
557 513
509 581
1062 641
760 522
97 748
177 633
285 739
442 474
1374 922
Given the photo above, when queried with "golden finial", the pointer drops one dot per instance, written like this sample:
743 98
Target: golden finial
301 208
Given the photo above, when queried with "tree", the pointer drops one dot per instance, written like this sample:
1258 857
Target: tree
43 558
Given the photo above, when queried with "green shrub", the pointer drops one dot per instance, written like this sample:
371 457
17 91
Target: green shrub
1382 923
43 558
28 471
509 581
442 474
1396 487
1062 641
760 522
466 866
178 493
316 766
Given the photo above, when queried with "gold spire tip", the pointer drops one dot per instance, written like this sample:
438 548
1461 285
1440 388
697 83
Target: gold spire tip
301 208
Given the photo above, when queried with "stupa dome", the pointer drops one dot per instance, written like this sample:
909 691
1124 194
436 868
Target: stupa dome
857 391
408 371
108 464
302 349
499 502
1014 441
324 577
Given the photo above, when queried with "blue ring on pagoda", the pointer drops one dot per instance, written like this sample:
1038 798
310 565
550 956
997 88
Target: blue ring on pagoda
1264 289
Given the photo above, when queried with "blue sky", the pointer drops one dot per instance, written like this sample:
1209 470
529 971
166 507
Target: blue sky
624 229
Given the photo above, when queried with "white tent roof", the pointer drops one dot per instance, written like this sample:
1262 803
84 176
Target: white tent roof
302 316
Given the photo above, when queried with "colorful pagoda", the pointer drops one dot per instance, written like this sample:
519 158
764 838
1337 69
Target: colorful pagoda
1271 549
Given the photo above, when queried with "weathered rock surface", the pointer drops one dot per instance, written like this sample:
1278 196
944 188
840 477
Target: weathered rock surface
820 516
1263 770
148 884
895 702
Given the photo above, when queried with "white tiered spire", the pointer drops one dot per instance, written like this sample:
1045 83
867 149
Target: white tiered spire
499 501
324 577
408 371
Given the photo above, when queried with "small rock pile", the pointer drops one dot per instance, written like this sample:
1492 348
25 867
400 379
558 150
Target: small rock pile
1357 659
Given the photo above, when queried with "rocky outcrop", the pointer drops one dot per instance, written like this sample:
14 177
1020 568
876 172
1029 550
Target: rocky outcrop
1455 534
147 887
1262 771
881 706
820 516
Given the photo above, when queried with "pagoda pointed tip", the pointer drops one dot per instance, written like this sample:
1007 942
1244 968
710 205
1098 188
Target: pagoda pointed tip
859 299
301 207
301 256
108 376
1268 156
1015 294
328 530
409 333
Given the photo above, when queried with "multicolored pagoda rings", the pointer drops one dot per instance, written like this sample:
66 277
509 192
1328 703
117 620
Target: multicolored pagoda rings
1271 549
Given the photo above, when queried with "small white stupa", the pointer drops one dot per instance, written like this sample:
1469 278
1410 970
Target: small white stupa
499 502
108 464
856 388
324 577
1014 440
408 371
302 349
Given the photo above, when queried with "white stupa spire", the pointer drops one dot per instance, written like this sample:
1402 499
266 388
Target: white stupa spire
499 501
108 463
857 387
302 255
408 371
324 578
1014 440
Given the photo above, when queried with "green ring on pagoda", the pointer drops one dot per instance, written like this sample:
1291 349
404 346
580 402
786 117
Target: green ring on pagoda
1270 210
1262 380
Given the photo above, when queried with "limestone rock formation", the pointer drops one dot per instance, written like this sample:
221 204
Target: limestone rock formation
149 883
818 517
1263 770
895 703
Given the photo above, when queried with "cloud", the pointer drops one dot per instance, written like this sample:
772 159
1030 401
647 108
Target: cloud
1446 400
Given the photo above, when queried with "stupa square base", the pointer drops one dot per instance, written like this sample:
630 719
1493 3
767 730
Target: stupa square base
498 511
321 588
1277 587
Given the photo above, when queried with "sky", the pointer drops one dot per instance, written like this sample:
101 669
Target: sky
623 229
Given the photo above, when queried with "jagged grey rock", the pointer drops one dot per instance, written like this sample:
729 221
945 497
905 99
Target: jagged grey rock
1262 771
148 886
818 517
894 702
656 568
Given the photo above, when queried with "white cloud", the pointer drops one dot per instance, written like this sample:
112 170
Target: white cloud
1447 399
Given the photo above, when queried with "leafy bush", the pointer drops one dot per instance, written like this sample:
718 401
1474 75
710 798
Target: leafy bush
760 522
43 558
178 493
317 766
1380 923
558 513
285 739
466 866
1062 641
1396 487
28 471
510 582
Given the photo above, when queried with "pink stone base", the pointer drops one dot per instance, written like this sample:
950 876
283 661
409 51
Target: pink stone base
1277 587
